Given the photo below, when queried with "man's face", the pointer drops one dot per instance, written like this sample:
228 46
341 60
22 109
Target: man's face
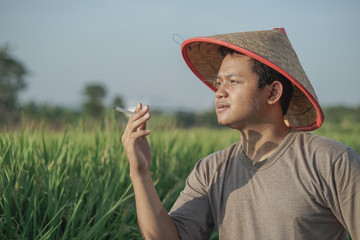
238 101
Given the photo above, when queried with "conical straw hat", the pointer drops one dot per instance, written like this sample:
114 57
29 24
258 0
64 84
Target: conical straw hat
271 47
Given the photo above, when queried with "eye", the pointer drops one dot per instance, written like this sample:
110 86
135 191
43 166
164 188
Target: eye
218 83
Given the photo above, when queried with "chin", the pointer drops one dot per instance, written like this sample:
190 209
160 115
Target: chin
232 125
220 122
223 123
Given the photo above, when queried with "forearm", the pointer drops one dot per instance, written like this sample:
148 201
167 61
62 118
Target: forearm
153 219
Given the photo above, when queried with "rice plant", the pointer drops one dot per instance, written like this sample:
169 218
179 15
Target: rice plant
74 183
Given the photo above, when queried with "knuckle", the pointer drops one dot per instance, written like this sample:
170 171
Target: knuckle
133 136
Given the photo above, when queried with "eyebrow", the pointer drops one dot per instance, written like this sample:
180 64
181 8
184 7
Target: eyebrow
230 75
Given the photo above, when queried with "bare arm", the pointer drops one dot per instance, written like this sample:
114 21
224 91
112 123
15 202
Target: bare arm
153 219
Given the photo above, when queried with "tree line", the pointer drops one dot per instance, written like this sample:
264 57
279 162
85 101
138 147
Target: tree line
12 82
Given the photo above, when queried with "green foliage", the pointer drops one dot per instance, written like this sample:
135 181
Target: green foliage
55 116
338 114
58 116
192 119
94 94
72 182
12 74
118 101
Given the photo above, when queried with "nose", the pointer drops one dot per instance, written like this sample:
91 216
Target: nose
221 92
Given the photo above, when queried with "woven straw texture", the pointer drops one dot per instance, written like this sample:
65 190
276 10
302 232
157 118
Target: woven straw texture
271 47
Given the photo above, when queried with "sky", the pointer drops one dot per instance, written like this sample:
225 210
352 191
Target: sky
128 46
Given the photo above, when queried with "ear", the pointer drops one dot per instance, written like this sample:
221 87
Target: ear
275 92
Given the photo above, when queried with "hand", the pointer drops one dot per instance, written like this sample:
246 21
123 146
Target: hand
136 146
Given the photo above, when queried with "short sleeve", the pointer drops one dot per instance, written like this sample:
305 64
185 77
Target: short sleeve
191 212
346 192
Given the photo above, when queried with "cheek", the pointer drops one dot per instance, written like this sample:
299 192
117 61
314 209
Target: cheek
247 99
255 103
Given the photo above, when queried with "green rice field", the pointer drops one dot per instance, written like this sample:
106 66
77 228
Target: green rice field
73 182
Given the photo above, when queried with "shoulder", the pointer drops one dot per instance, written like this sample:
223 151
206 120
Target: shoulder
325 153
219 158
314 145
212 165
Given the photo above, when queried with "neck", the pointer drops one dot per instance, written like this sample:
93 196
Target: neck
258 143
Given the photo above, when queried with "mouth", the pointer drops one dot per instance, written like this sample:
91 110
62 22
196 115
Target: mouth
221 107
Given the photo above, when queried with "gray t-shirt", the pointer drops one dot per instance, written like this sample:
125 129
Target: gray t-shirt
309 188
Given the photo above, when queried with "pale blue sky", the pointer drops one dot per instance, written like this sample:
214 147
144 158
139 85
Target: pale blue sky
128 46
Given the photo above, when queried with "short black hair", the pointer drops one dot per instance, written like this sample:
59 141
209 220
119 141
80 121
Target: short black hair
267 75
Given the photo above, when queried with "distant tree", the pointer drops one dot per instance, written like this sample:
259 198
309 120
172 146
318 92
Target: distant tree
185 119
54 116
94 93
119 101
208 119
340 113
12 74
192 119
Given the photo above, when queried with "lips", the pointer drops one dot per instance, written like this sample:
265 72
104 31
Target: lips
221 106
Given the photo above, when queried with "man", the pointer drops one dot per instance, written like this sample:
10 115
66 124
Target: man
278 182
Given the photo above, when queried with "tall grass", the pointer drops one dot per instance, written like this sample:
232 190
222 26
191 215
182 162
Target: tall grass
62 186
74 183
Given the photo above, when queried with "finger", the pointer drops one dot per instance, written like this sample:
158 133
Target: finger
138 107
138 118
147 116
139 112
143 126
136 135
133 122
131 137
140 124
